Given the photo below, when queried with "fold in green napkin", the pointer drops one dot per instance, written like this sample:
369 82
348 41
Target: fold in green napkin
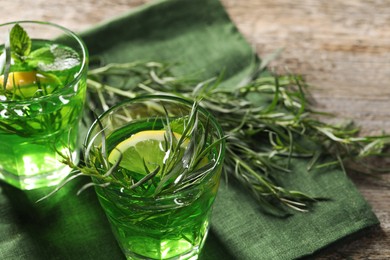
199 36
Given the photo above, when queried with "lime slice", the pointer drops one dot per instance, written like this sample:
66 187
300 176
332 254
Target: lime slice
27 83
148 146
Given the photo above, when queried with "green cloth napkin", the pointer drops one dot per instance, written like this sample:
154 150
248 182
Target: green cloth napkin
200 37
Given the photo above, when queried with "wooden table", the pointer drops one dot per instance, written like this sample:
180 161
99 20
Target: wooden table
341 47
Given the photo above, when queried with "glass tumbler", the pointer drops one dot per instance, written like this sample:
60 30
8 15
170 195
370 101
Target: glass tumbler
150 220
43 71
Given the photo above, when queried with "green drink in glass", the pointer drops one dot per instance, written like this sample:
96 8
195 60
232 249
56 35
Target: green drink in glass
43 70
158 162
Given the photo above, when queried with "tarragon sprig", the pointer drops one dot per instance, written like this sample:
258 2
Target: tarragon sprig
184 167
273 110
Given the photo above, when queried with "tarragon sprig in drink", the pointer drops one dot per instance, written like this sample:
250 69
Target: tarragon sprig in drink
150 157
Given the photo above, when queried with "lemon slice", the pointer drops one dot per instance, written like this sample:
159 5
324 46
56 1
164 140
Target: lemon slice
148 146
26 83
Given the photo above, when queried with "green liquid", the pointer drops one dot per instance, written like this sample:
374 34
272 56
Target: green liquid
41 119
166 227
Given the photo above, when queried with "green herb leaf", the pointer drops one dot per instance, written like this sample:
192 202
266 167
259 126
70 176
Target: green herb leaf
177 125
20 42
42 55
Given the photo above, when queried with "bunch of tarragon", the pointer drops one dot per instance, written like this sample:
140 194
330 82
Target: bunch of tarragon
266 118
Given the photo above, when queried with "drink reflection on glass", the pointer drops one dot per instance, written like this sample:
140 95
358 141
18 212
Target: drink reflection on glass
43 70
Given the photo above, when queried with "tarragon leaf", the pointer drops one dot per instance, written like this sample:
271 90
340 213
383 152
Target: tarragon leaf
177 125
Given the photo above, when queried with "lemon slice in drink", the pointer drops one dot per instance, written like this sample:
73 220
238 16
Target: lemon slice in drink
27 83
146 146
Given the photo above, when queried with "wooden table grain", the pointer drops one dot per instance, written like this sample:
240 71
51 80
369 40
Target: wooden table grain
341 47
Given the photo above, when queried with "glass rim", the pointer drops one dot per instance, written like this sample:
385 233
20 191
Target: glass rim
221 148
84 60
